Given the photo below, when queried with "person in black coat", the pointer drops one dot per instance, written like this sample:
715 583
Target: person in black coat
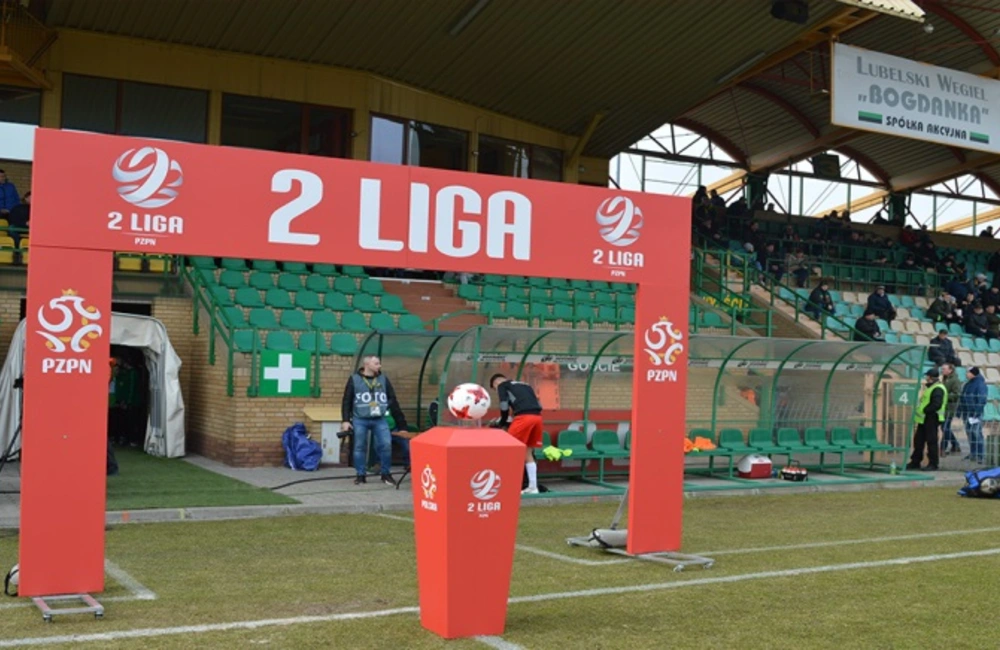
942 350
879 303
819 300
976 322
867 328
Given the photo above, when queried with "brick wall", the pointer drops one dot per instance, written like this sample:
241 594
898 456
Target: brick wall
10 316
18 173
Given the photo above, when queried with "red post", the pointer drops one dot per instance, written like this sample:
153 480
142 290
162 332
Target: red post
466 497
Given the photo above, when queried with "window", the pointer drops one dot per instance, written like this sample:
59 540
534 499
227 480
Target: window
20 105
418 143
136 109
518 159
290 127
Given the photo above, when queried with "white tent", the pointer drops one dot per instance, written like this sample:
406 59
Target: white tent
165 424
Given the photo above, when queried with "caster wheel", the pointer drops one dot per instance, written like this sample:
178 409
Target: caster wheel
98 615
47 619
709 565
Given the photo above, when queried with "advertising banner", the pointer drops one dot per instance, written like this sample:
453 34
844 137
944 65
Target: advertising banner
878 92
67 378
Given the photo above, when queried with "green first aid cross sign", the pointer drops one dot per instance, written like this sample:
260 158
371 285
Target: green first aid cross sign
285 374
904 394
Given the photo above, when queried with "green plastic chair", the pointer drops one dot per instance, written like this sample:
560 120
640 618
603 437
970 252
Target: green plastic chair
278 299
353 321
392 303
260 280
309 340
296 268
243 341
221 296
732 440
344 345
336 301
382 321
411 323
355 271
345 284
308 300
293 319
247 297
372 286
232 279
263 318
289 282
318 283
234 264
365 302
281 341
233 316
325 321
325 269
267 266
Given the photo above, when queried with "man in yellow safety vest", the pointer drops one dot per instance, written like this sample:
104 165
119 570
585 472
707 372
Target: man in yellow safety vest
928 417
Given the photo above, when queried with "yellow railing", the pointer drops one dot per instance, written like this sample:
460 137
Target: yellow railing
23 34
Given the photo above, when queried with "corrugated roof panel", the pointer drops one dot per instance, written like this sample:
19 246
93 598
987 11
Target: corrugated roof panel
899 156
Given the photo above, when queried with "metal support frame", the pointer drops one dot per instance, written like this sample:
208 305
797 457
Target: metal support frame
89 606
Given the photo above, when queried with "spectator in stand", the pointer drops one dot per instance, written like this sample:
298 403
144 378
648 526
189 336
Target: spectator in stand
867 328
797 265
880 260
991 297
970 408
769 262
706 227
992 321
987 232
908 237
942 350
9 198
879 303
979 286
957 288
18 219
716 200
954 385
942 310
993 266
880 219
976 322
819 300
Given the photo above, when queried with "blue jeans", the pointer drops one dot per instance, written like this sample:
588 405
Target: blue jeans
383 443
949 439
975 433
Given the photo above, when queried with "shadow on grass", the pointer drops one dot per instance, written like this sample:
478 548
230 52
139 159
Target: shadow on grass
145 481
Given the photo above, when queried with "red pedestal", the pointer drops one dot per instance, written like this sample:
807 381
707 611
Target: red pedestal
466 497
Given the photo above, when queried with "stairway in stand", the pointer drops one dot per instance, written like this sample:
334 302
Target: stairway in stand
430 300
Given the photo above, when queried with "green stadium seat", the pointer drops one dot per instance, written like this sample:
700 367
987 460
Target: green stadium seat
868 438
392 303
313 341
308 300
562 296
539 295
711 319
763 441
517 293
382 321
559 283
583 313
623 287
790 439
296 268
537 310
290 282
562 311
517 281
606 314
247 297
325 269
606 442
815 437
410 322
232 279
325 321
981 345
603 298
243 341
541 283
281 341
600 285
491 307
233 316
993 392
267 266
205 276
317 283
732 440
627 315
263 318
577 441
494 279
354 271
365 302
345 284
202 262
493 292
353 321
336 301
278 299
233 264
515 309
372 286
546 442
842 437
344 345
468 292
579 285
220 295
260 280
293 319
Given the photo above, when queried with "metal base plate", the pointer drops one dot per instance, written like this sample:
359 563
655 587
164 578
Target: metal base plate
679 561
64 605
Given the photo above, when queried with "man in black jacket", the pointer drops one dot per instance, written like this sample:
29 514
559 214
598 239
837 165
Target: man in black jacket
942 351
879 303
976 322
819 299
368 398
867 328
929 413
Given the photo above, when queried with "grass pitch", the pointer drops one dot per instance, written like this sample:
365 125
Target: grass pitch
145 481
321 566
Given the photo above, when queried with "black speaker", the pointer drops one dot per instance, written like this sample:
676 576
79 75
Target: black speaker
795 11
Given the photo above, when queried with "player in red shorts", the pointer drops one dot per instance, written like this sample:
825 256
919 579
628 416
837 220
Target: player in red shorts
526 426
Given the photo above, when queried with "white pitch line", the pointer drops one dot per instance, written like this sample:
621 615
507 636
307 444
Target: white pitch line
850 542
585 593
537 551
498 643
124 579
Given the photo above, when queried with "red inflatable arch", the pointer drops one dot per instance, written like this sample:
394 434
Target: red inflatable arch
96 194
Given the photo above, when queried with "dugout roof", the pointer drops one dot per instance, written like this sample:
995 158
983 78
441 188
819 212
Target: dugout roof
608 71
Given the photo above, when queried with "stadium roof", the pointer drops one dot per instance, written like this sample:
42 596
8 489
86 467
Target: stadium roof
755 85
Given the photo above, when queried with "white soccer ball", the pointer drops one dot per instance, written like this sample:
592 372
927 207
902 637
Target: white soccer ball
469 402
989 486
13 578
